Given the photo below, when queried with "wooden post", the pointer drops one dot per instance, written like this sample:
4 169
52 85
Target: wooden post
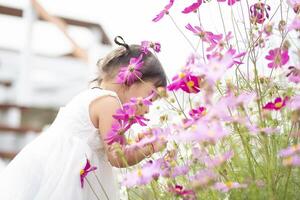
22 86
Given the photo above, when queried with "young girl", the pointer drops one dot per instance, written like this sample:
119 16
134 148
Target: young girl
56 164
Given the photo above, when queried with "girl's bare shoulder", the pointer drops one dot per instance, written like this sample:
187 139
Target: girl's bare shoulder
101 107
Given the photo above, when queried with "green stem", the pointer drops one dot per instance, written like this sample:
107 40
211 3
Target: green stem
101 186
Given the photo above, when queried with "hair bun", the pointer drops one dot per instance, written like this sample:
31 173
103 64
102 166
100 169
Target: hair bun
121 43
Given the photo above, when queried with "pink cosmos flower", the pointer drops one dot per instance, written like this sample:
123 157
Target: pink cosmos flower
231 53
230 2
235 57
268 28
278 57
193 59
152 170
295 25
216 67
294 74
164 11
294 103
211 133
206 36
295 4
170 170
198 154
85 171
218 160
225 187
293 161
192 7
129 74
290 151
141 176
169 167
202 132
197 113
186 82
150 136
259 12
116 134
146 45
243 98
222 43
203 178
143 101
128 115
187 123
277 104
217 111
179 191
254 129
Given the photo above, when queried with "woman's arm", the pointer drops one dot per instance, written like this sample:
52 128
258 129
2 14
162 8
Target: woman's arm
104 109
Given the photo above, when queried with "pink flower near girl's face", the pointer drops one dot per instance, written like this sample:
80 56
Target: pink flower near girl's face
142 104
139 93
84 172
116 134
186 82
278 57
128 116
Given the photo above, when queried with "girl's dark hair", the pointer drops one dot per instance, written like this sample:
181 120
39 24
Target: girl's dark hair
151 70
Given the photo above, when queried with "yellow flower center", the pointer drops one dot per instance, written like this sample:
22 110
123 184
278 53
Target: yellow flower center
295 147
81 172
202 34
278 104
181 75
190 84
129 141
139 172
277 59
173 163
288 161
193 128
229 184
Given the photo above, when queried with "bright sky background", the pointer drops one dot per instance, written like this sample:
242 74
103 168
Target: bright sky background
130 19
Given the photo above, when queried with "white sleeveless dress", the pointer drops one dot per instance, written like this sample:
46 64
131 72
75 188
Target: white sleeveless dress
49 167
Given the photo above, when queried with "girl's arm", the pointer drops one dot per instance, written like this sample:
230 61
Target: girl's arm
104 109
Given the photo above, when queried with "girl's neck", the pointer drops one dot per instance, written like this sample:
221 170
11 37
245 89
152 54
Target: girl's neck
115 88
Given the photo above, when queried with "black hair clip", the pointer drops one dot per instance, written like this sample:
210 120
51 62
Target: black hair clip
122 43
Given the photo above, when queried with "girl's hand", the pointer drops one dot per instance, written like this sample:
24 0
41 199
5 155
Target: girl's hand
159 145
